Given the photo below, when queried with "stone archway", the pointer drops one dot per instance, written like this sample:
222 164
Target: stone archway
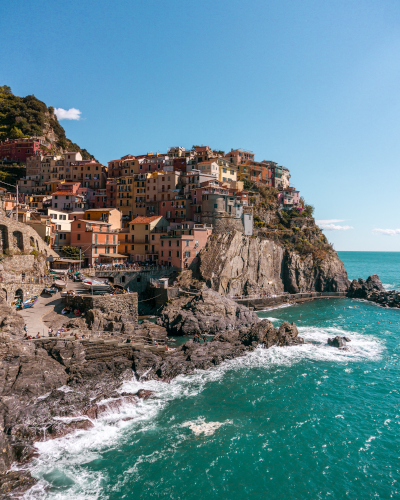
3 238
19 294
18 240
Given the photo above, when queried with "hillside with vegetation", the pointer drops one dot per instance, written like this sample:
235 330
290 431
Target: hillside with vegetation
27 116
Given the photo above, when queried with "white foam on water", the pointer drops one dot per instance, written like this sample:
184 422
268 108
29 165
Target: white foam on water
68 454
282 306
200 426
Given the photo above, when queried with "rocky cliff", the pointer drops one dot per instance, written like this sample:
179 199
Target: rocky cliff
233 264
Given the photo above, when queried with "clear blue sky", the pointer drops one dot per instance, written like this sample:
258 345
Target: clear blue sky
311 84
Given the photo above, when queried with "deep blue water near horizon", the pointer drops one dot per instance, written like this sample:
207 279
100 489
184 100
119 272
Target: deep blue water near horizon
306 422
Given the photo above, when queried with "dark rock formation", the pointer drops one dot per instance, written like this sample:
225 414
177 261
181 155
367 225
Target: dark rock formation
372 290
53 377
208 312
338 341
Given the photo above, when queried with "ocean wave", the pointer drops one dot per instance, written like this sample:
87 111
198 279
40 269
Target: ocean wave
65 457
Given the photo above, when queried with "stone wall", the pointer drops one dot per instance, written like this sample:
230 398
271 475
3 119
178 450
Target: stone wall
123 305
222 222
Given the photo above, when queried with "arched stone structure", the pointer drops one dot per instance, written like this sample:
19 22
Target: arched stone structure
18 241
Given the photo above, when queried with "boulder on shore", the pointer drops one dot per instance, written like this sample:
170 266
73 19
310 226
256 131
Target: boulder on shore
206 313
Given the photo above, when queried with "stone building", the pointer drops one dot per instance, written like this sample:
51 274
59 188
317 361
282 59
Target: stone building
17 237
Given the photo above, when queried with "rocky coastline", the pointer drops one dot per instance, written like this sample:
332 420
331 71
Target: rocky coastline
51 386
373 291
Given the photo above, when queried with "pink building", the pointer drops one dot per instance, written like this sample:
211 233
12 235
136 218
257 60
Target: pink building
181 246
67 197
289 197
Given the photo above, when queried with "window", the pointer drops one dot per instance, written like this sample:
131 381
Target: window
162 243
215 205
169 243
187 255
152 237
146 247
95 249
162 253
146 227
187 243
79 237
79 226
132 247
169 253
177 243
177 253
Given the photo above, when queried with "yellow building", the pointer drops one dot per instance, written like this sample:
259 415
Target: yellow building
110 215
243 172
126 197
139 195
144 238
228 172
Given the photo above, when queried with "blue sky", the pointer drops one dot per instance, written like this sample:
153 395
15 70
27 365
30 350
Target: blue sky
311 84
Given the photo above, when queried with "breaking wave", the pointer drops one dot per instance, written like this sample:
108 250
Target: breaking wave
64 457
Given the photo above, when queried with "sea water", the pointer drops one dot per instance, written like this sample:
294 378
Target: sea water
305 422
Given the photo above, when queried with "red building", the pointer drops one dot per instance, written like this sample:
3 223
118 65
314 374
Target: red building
21 149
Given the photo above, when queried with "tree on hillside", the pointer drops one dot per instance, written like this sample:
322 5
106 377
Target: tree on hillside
5 89
16 133
71 252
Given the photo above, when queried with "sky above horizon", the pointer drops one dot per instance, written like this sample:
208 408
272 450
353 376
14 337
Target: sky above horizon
310 85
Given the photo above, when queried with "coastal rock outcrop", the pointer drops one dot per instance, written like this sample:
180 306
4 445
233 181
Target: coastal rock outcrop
338 341
208 312
373 290
234 264
52 386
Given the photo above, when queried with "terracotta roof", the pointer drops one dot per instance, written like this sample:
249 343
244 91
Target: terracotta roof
67 193
100 209
146 220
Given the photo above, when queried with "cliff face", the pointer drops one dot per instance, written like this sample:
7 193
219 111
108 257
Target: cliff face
302 275
236 264
233 263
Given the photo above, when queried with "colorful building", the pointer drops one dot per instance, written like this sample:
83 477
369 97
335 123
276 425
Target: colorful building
181 246
145 233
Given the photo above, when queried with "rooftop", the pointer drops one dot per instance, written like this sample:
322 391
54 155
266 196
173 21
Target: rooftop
146 220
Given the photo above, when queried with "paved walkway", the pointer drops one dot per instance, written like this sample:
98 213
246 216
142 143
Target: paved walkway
33 315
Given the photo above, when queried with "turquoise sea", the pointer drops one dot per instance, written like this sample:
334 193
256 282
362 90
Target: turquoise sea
306 422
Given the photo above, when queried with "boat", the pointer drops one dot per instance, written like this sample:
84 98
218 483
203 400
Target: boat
60 284
51 289
29 302
96 285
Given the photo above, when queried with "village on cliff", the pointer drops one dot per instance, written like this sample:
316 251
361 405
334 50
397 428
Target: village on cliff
152 208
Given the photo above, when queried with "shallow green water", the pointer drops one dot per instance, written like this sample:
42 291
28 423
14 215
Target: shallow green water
305 422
